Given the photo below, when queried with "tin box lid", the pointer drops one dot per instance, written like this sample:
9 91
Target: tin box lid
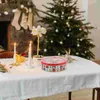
53 61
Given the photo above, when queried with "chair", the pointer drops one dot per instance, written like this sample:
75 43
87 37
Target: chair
6 54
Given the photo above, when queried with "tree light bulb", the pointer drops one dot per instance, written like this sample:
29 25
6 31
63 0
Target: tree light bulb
45 50
57 30
55 21
61 42
62 13
51 41
58 54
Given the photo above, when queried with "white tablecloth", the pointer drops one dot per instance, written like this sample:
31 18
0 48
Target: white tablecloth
24 83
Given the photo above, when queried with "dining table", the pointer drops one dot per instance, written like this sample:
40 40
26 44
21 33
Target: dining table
21 82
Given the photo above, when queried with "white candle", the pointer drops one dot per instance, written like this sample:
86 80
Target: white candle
30 54
14 53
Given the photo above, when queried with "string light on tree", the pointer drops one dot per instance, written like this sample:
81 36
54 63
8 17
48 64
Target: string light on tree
78 45
51 41
68 35
22 6
65 4
69 29
78 39
45 50
56 30
61 4
54 11
77 53
55 21
62 17
62 13
80 29
81 39
91 42
61 42
14 10
58 54
72 11
70 17
67 24
6 13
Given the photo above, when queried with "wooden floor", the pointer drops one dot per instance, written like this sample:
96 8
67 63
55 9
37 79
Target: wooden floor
85 94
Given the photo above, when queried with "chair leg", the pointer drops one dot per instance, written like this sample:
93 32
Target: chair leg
93 94
98 93
69 95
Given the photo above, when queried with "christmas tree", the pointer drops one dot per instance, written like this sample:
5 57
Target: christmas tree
66 30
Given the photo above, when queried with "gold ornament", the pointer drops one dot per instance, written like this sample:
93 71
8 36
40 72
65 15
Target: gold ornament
69 58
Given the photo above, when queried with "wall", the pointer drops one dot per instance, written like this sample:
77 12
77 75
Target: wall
93 17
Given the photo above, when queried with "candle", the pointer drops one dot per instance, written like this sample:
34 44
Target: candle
14 53
30 54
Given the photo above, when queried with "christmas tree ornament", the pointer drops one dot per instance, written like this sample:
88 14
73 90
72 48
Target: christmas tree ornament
24 21
56 30
68 57
15 20
30 19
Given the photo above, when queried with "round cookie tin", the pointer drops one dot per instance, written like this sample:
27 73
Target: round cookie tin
53 63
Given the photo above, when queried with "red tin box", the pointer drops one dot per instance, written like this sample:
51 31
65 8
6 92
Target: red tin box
53 63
